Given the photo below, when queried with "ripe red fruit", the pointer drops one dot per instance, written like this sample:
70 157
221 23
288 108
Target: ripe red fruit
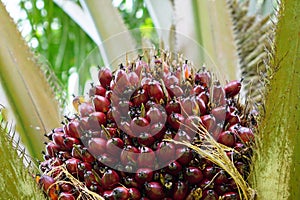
175 91
108 195
209 122
139 125
189 106
101 103
133 79
114 146
180 191
197 90
209 195
203 78
165 152
146 139
134 194
96 119
174 167
227 138
173 106
52 149
110 179
129 155
58 139
232 88
105 77
210 171
146 157
70 141
193 175
97 90
175 120
121 193
204 96
72 129
85 109
230 196
46 182
139 97
154 190
201 105
154 115
155 91
108 159
221 178
72 165
245 134
219 113
218 97
97 146
143 175
184 155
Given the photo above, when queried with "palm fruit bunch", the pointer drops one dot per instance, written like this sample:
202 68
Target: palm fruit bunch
152 130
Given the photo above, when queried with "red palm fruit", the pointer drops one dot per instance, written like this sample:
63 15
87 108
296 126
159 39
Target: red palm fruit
139 97
157 130
72 129
72 165
189 106
110 179
47 183
232 118
97 146
193 175
143 175
155 91
209 122
82 167
227 138
221 177
134 194
180 191
114 146
184 155
89 178
70 141
175 91
219 113
121 193
66 196
206 183
218 129
113 115
174 167
175 120
197 90
241 167
209 195
108 159
191 124
105 77
58 139
239 146
165 152
210 171
154 115
173 106
85 109
133 79
218 97
96 188
97 90
170 79
221 189
232 88
66 187
130 181
203 78
129 155
101 103
154 190
201 105
76 151
230 196
96 119
204 96
108 195
182 136
145 82
52 149
139 125
245 134
146 139
146 157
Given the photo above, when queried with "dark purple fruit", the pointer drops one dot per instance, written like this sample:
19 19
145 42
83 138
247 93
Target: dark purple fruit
144 175
110 179
193 175
180 191
154 190
209 195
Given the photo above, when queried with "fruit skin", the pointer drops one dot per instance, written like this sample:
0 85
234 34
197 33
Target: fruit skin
110 179
230 196
105 77
232 88
134 194
101 104
143 175
180 190
193 175
49 186
121 193
209 195
154 190
227 138
66 196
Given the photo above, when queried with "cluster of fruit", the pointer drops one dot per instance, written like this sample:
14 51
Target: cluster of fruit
119 144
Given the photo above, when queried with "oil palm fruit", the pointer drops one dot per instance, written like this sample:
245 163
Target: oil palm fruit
123 142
